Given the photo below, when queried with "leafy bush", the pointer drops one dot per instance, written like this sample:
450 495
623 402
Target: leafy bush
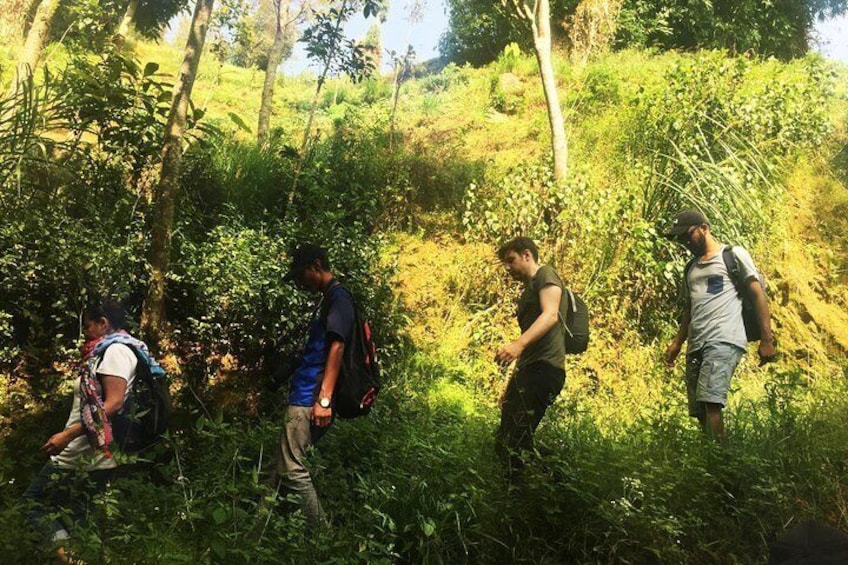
118 104
524 202
440 82
506 95
693 141
722 122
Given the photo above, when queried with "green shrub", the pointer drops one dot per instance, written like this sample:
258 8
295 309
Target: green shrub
450 76
376 89
524 202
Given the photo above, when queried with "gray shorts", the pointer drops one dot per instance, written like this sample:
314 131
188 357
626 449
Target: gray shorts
708 373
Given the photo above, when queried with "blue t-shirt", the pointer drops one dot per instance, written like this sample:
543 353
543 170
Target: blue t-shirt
336 326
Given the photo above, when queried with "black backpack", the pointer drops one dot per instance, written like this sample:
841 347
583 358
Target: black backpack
749 313
144 417
574 315
359 380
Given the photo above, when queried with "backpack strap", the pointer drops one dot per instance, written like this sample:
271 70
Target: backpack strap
324 303
732 265
686 269
572 305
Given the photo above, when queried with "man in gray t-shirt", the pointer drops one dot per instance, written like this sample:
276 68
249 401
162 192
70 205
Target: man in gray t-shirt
712 320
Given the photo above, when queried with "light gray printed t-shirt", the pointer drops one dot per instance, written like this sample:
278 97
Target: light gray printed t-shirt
118 361
715 305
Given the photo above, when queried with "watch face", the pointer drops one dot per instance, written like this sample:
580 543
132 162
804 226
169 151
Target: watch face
324 402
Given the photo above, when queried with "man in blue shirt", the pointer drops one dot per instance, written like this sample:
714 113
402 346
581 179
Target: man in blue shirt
310 410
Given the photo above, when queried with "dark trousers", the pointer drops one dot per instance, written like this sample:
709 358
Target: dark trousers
55 492
529 393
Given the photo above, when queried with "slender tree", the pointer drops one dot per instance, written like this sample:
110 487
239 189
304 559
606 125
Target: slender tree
128 21
282 43
153 315
326 43
148 17
35 40
538 16
401 64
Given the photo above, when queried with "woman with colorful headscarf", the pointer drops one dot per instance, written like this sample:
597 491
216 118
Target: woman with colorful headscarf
81 460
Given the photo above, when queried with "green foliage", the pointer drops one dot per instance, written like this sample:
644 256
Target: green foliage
153 16
780 29
325 42
222 176
524 202
225 278
509 58
479 30
507 95
441 82
70 223
431 490
86 24
600 89
24 117
244 32
121 104
713 135
417 481
376 90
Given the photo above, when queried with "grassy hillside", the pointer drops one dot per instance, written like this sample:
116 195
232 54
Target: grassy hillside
624 475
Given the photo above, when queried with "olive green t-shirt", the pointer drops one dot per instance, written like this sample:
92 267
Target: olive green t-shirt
550 348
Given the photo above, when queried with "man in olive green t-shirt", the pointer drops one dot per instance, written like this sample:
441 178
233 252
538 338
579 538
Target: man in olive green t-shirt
539 350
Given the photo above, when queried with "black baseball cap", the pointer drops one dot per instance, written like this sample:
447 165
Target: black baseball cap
685 220
304 255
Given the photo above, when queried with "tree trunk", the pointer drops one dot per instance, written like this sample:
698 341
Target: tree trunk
35 41
541 24
128 22
305 143
153 313
275 57
328 60
399 67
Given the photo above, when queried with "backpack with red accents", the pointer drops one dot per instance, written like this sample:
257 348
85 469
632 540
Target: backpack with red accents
359 380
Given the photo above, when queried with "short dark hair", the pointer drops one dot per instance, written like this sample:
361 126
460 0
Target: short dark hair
519 245
304 254
107 308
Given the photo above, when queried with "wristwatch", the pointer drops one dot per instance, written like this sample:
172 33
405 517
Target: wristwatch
324 402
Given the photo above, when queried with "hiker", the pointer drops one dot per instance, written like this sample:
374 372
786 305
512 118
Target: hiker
311 408
539 350
81 458
712 319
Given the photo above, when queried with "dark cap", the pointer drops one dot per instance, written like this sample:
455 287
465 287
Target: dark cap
304 255
685 220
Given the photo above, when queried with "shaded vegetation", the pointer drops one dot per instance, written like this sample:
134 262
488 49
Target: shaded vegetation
479 29
411 218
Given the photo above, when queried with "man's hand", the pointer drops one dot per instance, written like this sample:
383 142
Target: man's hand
671 353
767 352
509 353
57 443
321 417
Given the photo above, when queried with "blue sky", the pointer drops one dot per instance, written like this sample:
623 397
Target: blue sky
424 37
831 35
833 38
